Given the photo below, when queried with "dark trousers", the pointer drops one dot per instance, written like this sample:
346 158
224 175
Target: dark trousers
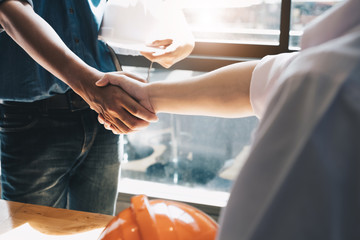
55 153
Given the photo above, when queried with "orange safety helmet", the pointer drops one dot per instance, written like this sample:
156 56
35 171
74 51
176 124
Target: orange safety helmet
159 220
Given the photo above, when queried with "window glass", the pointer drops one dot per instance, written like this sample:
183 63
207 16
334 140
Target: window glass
250 21
235 21
303 12
194 152
192 155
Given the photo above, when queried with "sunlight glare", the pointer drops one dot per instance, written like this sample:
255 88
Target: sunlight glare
27 232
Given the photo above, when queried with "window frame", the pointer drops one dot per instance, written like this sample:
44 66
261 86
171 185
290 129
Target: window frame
208 56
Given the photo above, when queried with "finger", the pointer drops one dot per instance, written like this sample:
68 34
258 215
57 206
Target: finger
101 119
161 42
117 78
106 121
117 132
126 122
139 111
122 121
111 127
124 112
165 53
162 59
132 76
107 125
169 50
102 82
110 122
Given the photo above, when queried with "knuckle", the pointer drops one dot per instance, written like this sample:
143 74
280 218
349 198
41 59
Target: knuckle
139 124
135 111
132 125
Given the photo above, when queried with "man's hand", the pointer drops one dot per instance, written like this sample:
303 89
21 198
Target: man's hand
120 112
170 51
124 106
43 44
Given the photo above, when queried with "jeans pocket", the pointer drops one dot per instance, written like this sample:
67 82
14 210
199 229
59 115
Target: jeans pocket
17 122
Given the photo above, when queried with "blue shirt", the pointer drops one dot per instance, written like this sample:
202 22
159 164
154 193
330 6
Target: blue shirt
77 22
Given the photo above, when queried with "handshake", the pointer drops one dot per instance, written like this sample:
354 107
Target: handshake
127 103
130 108
122 99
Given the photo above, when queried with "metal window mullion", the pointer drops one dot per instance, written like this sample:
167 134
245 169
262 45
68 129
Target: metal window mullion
285 19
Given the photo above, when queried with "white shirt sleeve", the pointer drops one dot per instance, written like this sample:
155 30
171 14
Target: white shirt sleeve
266 80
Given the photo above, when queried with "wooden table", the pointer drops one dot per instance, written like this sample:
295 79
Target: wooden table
27 221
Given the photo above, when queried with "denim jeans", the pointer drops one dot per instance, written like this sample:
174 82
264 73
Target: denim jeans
62 159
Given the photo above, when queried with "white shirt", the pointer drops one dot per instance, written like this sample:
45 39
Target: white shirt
302 177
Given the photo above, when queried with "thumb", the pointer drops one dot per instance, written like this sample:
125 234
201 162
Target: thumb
102 82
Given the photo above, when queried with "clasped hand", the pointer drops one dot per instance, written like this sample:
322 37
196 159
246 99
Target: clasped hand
133 91
135 87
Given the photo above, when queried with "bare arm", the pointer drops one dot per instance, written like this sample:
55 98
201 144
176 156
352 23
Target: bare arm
42 43
223 92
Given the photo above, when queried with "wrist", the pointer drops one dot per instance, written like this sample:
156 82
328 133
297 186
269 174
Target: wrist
153 89
82 81
161 96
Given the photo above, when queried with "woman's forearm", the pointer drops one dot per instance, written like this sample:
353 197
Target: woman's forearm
223 92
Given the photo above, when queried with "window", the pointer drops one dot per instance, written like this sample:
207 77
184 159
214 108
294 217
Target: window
195 159
302 12
188 158
246 22
230 31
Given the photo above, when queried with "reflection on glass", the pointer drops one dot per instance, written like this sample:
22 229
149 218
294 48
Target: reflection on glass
236 21
303 12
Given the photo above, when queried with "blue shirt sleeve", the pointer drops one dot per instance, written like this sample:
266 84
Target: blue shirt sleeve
28 1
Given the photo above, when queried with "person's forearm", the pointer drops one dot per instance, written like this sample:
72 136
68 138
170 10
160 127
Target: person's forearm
43 44
223 92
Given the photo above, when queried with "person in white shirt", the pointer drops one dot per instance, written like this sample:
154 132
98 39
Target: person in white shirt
301 179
